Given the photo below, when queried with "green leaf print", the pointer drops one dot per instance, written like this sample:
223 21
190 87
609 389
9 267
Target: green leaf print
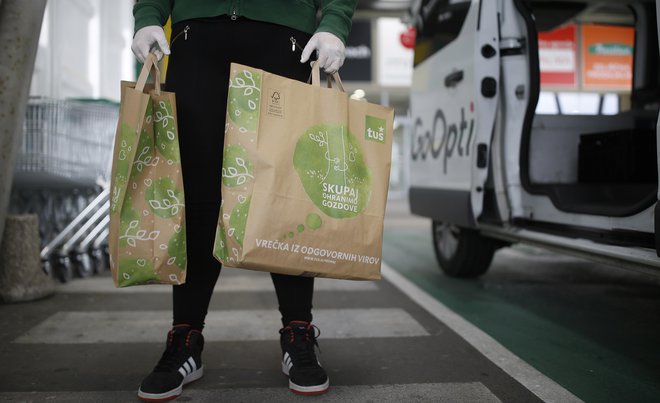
127 138
238 219
164 199
331 167
220 245
166 131
144 155
176 248
136 271
244 97
236 167
129 225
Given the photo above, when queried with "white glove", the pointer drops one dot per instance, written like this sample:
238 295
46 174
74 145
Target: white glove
148 37
330 51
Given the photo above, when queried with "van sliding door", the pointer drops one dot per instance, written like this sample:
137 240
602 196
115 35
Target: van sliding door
454 99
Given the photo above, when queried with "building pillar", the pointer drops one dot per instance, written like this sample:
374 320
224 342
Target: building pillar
20 26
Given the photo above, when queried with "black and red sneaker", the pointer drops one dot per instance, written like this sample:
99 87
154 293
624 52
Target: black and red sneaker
299 362
180 364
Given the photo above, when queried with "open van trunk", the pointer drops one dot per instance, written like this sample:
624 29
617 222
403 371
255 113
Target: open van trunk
601 161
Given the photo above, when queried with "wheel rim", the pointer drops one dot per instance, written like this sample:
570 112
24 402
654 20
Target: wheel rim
446 238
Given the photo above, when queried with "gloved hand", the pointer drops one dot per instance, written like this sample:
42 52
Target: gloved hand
330 51
145 38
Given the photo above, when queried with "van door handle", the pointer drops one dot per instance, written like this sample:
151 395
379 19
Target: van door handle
453 78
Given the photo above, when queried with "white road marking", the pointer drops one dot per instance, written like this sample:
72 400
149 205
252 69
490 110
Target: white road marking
231 325
226 283
413 392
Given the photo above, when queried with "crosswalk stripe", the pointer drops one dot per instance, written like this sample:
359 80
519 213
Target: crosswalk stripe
231 325
226 283
414 392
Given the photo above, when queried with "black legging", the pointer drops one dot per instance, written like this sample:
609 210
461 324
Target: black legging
198 73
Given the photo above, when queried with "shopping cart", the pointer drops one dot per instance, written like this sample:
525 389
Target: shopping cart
65 255
66 152
66 143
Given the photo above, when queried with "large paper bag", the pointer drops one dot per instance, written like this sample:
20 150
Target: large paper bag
304 179
147 215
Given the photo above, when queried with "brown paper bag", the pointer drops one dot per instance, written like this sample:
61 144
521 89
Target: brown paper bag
147 215
304 179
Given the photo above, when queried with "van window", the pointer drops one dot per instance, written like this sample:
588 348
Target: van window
438 23
579 103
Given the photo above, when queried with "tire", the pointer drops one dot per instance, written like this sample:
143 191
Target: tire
106 256
98 261
83 264
63 269
461 252
47 266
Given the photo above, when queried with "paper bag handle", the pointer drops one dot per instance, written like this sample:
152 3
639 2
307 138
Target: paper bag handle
150 65
316 78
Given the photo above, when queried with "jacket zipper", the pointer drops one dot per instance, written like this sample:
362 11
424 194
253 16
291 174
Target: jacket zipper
295 44
184 33
234 11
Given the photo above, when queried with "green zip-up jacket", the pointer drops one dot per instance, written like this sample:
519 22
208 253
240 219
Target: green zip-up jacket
297 14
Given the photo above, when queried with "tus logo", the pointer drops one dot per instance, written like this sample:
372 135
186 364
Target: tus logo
374 129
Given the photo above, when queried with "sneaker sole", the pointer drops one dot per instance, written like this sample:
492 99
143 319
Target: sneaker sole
174 393
305 390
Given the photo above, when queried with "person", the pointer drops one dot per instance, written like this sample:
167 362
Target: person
207 35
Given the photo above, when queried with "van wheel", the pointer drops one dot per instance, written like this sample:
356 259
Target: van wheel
462 252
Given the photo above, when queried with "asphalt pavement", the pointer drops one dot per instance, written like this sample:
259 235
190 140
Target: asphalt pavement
591 328
536 327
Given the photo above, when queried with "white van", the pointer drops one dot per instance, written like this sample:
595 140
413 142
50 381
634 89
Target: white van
497 159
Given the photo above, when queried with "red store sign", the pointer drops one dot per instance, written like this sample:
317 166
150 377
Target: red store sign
558 57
